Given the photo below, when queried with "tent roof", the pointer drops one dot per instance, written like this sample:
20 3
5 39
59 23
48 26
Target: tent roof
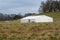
36 17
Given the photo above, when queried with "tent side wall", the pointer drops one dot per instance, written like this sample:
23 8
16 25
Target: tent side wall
27 20
44 20
24 21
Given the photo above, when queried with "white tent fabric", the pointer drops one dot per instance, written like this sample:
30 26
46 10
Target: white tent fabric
39 18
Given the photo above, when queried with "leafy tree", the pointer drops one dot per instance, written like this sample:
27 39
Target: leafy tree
28 14
17 17
50 6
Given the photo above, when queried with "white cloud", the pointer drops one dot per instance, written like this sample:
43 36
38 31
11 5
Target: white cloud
22 10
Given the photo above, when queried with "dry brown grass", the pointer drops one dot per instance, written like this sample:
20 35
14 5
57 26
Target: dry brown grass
14 30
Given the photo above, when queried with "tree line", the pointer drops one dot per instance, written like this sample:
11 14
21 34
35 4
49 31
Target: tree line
8 17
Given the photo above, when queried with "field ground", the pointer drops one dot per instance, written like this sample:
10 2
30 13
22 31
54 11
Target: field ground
14 30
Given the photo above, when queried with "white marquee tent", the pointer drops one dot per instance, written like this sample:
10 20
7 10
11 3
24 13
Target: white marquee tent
39 18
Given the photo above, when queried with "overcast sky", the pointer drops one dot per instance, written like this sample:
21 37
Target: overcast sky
19 6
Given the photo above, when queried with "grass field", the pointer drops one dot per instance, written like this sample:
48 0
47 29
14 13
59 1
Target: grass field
14 30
